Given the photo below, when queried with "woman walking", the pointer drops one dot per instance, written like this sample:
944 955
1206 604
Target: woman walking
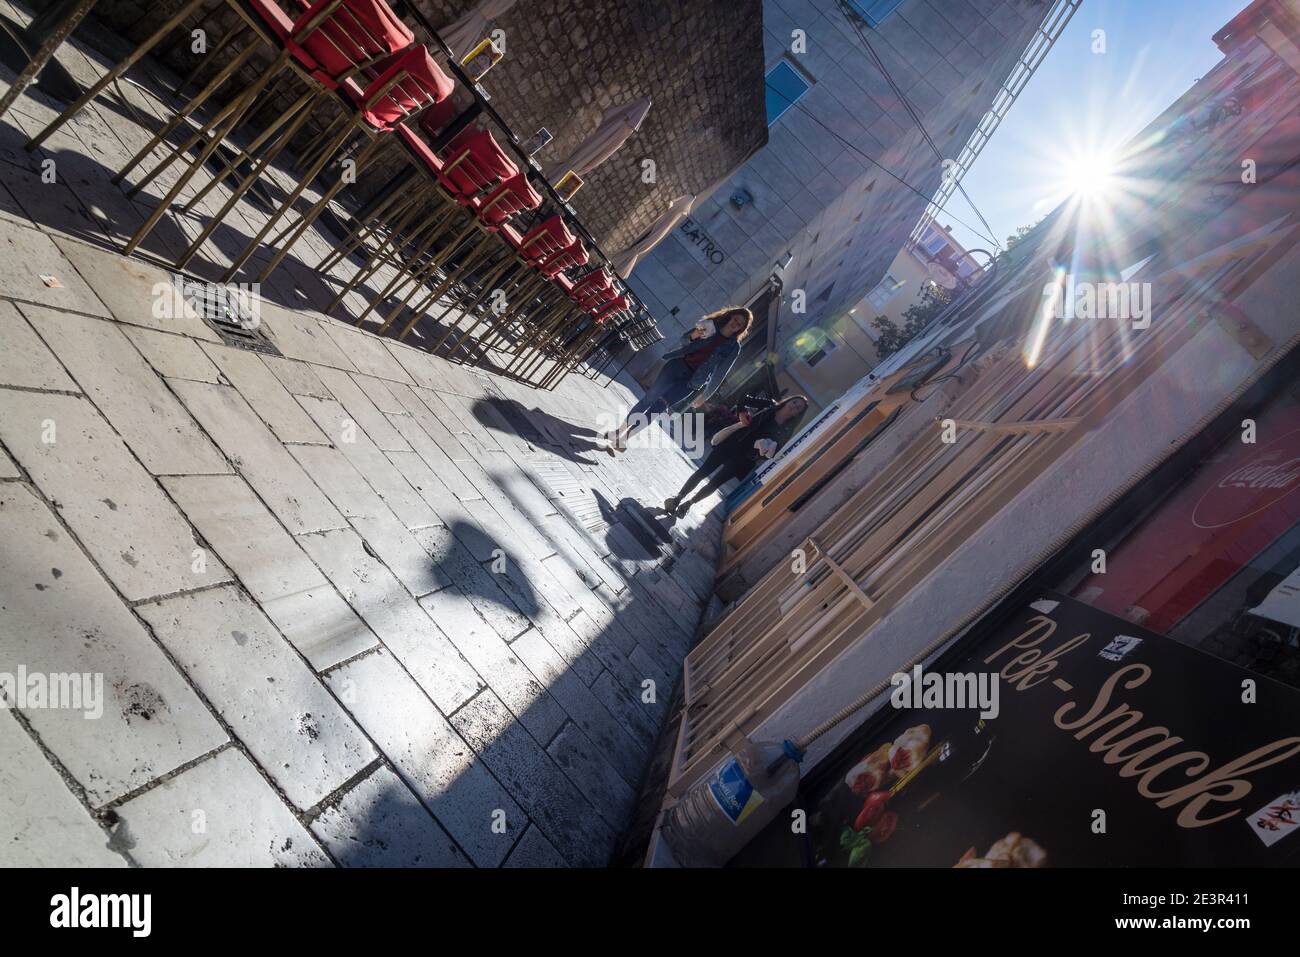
691 372
737 449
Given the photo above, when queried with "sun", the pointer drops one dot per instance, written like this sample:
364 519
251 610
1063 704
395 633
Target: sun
1089 176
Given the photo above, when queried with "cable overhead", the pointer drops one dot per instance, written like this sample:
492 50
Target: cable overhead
876 163
911 111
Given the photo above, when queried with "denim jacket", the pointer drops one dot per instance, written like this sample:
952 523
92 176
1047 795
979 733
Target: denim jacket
710 374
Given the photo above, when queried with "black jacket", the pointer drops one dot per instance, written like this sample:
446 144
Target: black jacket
741 442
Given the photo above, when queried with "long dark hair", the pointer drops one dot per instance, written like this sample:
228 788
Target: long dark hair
723 316
781 432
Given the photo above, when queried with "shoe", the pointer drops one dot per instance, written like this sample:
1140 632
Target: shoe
670 505
682 509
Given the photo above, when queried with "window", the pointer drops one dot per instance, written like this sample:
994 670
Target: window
934 243
827 346
785 85
875 11
884 291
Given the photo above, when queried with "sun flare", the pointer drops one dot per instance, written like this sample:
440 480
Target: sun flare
1090 176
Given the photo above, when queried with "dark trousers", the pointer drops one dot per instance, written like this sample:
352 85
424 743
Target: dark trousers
724 464
671 386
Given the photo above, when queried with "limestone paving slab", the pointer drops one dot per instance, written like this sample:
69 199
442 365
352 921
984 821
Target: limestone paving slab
535 851
58 616
367 352
627 705
25 361
35 270
41 823
377 391
380 823
506 616
583 708
298 377
350 438
389 539
361 410
260 458
586 766
550 799
273 703
428 754
269 563
446 471
135 292
436 419
129 393
173 357
114 506
395 617
263 391
299 336
219 813
420 477
493 659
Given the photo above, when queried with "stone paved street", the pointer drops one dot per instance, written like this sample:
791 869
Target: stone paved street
352 604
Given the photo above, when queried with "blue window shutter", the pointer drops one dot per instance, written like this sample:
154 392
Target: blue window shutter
875 11
784 87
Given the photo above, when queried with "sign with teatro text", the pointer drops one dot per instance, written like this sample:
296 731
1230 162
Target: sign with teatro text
1109 745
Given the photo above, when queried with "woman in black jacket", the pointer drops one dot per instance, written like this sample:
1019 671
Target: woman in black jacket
741 447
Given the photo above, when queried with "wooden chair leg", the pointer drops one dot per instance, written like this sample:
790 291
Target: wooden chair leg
426 272
395 203
474 300
240 105
414 274
284 243
98 87
292 198
393 246
231 37
498 324
249 153
480 251
237 103
511 260
240 189
184 112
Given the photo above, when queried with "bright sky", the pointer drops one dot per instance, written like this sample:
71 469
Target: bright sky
1080 103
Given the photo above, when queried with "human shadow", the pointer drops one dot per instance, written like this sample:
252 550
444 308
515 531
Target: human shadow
538 427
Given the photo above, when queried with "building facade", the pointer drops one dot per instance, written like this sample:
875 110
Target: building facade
1126 478
846 347
849 86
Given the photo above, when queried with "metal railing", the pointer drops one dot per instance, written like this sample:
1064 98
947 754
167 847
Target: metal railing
1054 22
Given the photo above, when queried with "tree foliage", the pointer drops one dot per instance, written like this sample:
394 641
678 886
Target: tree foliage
918 315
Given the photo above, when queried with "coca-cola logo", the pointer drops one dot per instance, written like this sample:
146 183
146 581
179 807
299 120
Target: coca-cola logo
1252 487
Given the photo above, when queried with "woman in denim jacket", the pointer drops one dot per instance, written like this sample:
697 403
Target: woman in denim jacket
691 373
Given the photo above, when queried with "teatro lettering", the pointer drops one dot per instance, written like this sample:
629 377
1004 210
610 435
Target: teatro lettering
701 241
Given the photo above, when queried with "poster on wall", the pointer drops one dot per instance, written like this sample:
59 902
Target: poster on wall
1081 740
